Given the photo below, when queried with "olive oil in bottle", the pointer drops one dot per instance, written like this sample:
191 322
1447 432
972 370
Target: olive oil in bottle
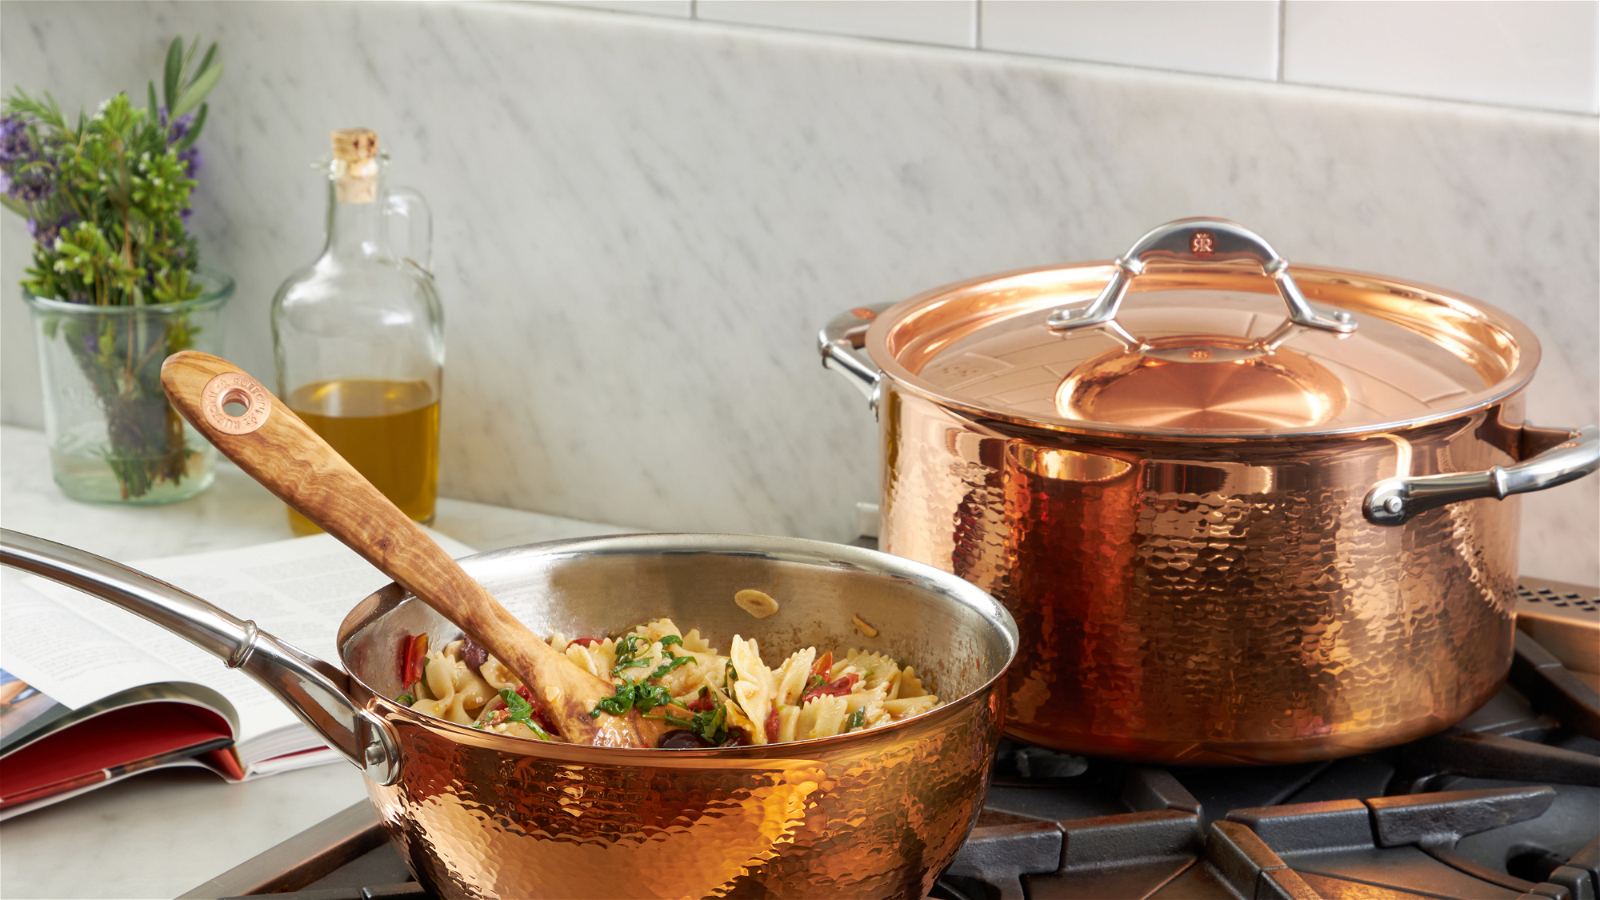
388 430
358 335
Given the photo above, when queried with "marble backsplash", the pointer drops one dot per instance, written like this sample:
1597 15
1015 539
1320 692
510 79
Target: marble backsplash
641 223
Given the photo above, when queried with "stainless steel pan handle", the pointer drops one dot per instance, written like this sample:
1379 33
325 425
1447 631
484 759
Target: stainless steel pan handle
1395 501
840 342
317 692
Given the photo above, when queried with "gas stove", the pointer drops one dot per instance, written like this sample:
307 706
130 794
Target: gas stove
1505 804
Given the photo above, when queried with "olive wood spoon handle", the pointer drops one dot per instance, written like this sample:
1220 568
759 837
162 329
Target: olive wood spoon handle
277 449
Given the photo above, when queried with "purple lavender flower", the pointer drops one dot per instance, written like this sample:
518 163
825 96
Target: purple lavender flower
15 145
176 132
30 187
47 232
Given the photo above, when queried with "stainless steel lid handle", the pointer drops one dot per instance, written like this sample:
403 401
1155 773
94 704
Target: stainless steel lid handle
1200 239
312 688
1397 500
840 343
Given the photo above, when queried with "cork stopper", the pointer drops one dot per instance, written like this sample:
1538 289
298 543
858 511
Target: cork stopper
355 162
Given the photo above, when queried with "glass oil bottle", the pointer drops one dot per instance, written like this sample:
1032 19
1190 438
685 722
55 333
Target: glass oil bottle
358 335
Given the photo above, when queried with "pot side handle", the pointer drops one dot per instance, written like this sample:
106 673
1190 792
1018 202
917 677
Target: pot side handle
840 343
1395 501
316 691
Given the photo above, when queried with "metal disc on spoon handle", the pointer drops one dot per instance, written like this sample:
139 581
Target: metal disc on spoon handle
277 449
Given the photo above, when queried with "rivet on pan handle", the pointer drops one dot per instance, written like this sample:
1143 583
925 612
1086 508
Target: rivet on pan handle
1199 239
1395 501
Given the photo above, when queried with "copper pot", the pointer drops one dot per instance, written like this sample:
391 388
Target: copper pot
1233 526
876 813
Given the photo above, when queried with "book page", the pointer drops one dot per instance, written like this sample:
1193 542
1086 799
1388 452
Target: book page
297 590
75 659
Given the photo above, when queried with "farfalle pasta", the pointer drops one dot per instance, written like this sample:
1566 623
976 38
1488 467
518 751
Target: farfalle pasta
710 699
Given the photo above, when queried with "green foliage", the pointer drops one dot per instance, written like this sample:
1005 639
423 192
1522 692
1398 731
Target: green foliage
106 195
120 180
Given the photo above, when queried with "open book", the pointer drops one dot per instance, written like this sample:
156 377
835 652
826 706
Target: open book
90 693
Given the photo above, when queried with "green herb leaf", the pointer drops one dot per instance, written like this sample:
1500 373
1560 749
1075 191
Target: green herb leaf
856 719
618 703
520 710
711 724
672 663
174 70
517 708
195 92
405 699
205 61
650 696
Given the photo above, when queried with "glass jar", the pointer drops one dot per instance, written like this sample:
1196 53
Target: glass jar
358 335
113 436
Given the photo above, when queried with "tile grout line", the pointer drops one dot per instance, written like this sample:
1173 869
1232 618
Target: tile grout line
1283 33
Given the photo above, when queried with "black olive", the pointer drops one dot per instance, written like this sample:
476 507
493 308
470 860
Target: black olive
737 737
474 655
682 740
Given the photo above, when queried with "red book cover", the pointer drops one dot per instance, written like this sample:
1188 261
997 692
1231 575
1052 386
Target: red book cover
108 745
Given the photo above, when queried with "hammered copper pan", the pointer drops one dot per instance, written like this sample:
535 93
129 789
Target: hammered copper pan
876 813
1233 526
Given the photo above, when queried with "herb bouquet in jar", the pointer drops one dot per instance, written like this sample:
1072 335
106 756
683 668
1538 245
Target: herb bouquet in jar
115 283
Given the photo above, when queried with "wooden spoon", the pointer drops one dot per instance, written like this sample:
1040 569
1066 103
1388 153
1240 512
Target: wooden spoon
270 443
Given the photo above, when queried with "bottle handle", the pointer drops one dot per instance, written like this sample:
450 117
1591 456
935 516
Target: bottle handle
412 210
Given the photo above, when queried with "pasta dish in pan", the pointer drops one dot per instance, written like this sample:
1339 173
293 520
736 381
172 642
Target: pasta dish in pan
710 699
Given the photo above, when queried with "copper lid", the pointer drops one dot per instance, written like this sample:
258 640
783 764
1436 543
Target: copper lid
1203 329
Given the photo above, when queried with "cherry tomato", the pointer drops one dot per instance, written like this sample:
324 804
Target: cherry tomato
839 687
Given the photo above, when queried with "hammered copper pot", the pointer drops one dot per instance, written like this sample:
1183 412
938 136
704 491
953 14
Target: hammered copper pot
877 813
1234 525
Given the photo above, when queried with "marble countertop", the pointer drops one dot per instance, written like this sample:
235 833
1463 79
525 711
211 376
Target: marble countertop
163 833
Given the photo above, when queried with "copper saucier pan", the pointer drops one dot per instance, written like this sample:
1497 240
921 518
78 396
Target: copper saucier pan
877 813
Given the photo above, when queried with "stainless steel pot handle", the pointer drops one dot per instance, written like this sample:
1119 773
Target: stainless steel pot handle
1396 500
840 342
316 691
1199 239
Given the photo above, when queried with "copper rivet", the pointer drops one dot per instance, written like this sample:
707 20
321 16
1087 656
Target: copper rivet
235 387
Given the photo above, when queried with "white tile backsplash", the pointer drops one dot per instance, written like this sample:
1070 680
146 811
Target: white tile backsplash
947 22
641 222
1543 54
1535 54
1235 38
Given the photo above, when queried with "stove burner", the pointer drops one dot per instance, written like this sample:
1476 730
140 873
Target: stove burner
1504 805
